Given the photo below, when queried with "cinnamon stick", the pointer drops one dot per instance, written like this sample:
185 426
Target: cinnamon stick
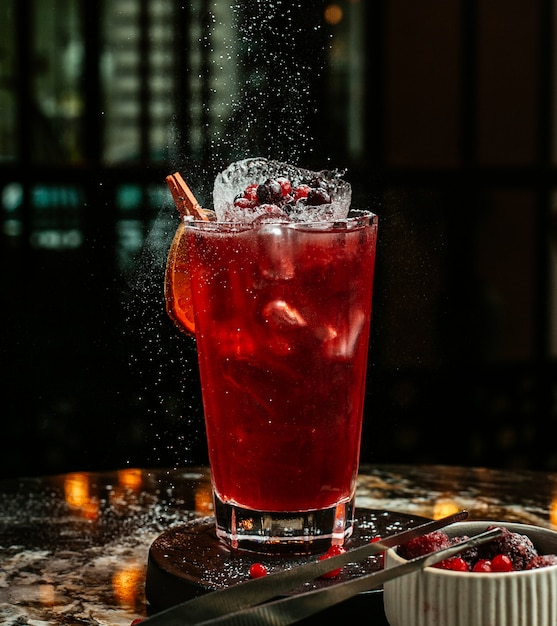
184 199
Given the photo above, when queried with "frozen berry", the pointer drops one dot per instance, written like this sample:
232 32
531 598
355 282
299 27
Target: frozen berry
332 551
518 547
508 552
318 196
257 570
301 192
424 544
542 560
269 192
470 555
250 192
285 185
244 203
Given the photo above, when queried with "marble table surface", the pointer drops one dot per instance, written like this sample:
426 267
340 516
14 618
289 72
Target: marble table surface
74 547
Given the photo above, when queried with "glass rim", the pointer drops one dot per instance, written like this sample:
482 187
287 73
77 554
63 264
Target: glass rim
356 218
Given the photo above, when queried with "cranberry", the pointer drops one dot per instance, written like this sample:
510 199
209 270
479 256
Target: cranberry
301 192
318 196
244 203
257 570
455 564
269 192
285 185
250 192
508 552
332 551
482 565
501 563
381 555
280 193
458 564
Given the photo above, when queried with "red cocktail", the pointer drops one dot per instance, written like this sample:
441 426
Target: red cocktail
282 315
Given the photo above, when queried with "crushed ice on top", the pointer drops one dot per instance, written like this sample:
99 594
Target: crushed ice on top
331 198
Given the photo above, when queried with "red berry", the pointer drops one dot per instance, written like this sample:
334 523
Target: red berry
245 203
501 563
285 185
250 192
335 550
301 192
269 192
136 621
318 196
458 564
380 555
482 565
332 551
257 570
517 546
454 563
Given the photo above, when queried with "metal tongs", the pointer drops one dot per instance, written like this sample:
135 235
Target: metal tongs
242 604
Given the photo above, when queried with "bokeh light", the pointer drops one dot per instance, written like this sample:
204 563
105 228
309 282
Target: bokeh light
333 14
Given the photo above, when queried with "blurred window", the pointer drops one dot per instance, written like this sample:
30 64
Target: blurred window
99 100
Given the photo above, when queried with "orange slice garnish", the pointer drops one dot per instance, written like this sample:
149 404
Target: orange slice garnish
177 278
177 283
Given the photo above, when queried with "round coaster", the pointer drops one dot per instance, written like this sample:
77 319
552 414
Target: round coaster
188 560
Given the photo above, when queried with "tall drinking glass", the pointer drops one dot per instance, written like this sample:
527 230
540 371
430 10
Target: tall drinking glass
282 318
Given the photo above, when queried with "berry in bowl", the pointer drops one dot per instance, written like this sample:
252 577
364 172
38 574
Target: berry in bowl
509 581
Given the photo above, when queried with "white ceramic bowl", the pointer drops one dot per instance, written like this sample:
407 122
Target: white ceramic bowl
439 597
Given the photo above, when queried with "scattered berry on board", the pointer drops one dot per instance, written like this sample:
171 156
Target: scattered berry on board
257 570
332 551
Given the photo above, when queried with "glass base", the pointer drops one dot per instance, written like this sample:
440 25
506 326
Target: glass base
272 532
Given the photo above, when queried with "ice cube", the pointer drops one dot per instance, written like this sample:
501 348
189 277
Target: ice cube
276 251
282 322
279 314
236 177
342 345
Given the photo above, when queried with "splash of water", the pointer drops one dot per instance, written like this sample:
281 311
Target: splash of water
253 88
163 360
275 41
262 58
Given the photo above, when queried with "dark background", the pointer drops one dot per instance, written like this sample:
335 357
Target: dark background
442 112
